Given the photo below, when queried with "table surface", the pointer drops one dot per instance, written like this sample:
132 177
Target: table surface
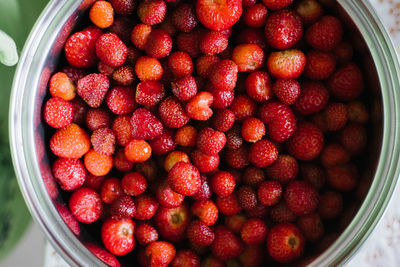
381 249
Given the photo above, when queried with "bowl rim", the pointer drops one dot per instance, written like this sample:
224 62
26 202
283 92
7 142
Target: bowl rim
25 163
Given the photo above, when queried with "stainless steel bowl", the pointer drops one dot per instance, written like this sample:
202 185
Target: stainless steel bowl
40 57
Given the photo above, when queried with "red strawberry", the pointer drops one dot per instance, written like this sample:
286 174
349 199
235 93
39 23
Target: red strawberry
93 88
223 120
223 183
347 82
146 207
123 7
238 158
117 235
159 44
243 107
122 128
219 16
280 213
133 184
285 243
269 193
149 93
172 114
185 88
253 175
354 138
73 73
301 198
189 42
253 130
111 50
277 4
198 108
167 197
58 113
287 90
184 18
344 52
287 64
145 125
103 255
325 34
313 174
263 153
313 98
283 29
311 226
226 245
204 65
248 57
330 205
123 207
210 142
357 112
85 204
164 143
184 179
160 253
252 36
203 162
200 234
68 218
310 11
334 154
342 177
172 222
320 65
111 190
152 12
307 142
103 141
221 99
234 138
185 258
247 198
335 116
97 118
124 75
223 75
213 43
206 210
255 15
254 231
80 48
258 86
204 192
145 234
139 35
79 110
121 163
284 169
228 205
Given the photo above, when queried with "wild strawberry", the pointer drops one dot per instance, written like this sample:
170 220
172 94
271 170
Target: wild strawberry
313 174
258 86
247 198
252 36
180 64
58 113
145 234
145 125
160 253
73 73
284 169
123 7
344 52
210 142
184 179
111 190
152 12
93 88
98 118
218 16
172 114
335 116
226 245
111 50
167 197
133 184
69 173
172 222
342 177
98 164
347 82
140 34
254 231
283 29
234 138
62 86
80 48
253 130
137 151
253 175
223 120
185 258
280 213
228 205
285 242
189 42
103 255
70 142
237 158
320 65
223 75
123 207
310 11
213 43
330 205
94 182
354 138
204 65
164 143
269 193
255 15
313 98
148 69
325 34
243 107
198 108
184 18
222 183
121 163
333 155
286 64
159 44
200 234
221 99
148 169
124 75
204 192
357 112
277 4
122 129
105 69
184 88
102 14
203 162
146 207
118 235
263 153
103 141
85 204
301 198
173 158
248 57
311 226
186 136
149 93
307 142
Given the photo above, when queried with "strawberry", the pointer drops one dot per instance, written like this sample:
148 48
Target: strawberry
252 256
200 234
253 130
111 190
145 125
223 75
146 207
263 153
344 52
334 154
325 34
313 174
223 183
243 107
172 114
280 213
204 192
93 89
159 44
184 18
164 143
357 112
117 235
311 226
269 193
173 158
189 42
347 82
198 108
255 15
210 142
103 255
111 50
354 138
123 207
218 16
160 253
73 73
221 99
70 142
252 36
335 116
258 86
185 258
212 261
58 113
146 234
123 7
68 218
62 86
253 175
223 120
149 93
286 64
277 4
234 138
283 29
98 164
139 35
124 75
121 163
97 118
228 205
204 65
101 14
152 12
172 222
285 242
307 142
206 210
248 57
247 198
185 88
313 98
238 158
180 63
103 141
80 48
133 183
137 151
330 205
213 43
167 197
284 169
122 129
320 65
203 162
184 179
254 231
310 11
301 198
342 177
85 204
226 245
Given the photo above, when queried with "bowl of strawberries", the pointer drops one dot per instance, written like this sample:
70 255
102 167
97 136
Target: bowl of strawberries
208 132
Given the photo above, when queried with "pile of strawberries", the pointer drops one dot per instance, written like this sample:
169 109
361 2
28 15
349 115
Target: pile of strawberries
208 132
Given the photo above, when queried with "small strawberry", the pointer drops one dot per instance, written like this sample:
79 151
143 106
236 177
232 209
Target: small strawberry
189 42
284 169
287 90
311 226
180 63
334 154
103 141
223 75
145 125
111 50
206 210
258 86
248 57
221 99
223 183
253 130
70 142
184 18
320 65
228 205
146 207
204 65
146 234
123 7
301 198
344 52
204 192
58 113
185 258
123 207
173 158
330 205
226 245
133 183
347 82
218 16
85 204
149 93
313 98
354 138
73 73
137 151
98 164
68 218
243 107
101 14
122 129
184 179
285 242
124 75
210 142
223 120
172 113
94 182
280 213
247 197
255 16
93 88
167 197
307 142
325 34
310 11
200 234
277 4
357 112
159 44
263 153
342 177
198 108
286 64
269 193
111 190
213 43
252 36
139 35
121 163
238 158
185 88
203 162
103 255
62 86
160 253
152 12
117 235
254 231
253 175
164 143
97 118
335 115
172 222
313 174
283 29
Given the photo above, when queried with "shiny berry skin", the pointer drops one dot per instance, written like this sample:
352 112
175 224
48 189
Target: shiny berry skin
167 197
307 142
301 198
223 183
149 93
185 88
70 142
198 108
85 204
152 12
111 190
204 192
248 57
184 179
146 207
98 118
137 151
133 183
253 130
122 129
254 231
226 245
223 120
325 34
172 222
111 50
284 169
159 44
203 162
102 14
247 197
145 234
243 107
218 16
123 207
347 83
204 65
223 75
269 193
121 100
148 69
258 86
237 158
310 11
62 86
186 136
184 18
69 173
172 113
255 15
145 126
164 143
58 113
210 142
286 64
320 65
200 234
263 153
287 90
118 235
103 141
185 258
313 98
213 43
228 205
206 211
160 253
103 255
93 88
277 4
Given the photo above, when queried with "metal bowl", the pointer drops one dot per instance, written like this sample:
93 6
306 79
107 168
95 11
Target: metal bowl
30 154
